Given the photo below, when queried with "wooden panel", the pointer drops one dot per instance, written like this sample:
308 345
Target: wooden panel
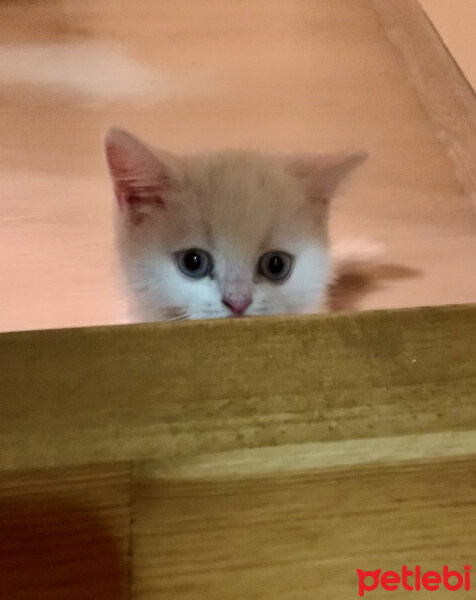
65 534
300 535
446 96
158 390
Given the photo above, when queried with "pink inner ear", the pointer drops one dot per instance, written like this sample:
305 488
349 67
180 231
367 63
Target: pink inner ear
140 179
127 164
117 160
134 200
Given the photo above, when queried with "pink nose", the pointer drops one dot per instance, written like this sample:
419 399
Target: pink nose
237 306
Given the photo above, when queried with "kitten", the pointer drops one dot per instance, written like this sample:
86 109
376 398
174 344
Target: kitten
223 234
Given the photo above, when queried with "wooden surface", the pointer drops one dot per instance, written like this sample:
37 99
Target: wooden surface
265 458
148 534
455 21
280 75
301 536
65 534
160 390
447 97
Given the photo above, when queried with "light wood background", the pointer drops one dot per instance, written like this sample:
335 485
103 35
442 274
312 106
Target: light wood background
455 21
276 75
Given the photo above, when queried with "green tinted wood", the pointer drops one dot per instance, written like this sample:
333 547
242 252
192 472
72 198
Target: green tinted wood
152 391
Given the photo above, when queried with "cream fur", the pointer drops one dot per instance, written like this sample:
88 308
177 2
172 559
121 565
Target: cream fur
236 205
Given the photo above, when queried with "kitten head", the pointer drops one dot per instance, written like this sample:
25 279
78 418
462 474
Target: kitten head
222 234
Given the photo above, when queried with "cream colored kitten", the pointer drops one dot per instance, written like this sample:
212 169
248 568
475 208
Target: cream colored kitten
223 234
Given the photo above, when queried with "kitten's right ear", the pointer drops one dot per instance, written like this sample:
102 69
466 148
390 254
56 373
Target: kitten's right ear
325 173
141 180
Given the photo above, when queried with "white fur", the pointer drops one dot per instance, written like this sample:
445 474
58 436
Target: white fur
236 205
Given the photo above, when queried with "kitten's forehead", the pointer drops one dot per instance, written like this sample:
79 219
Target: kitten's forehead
243 198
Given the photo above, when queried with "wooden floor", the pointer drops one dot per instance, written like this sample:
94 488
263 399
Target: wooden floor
275 74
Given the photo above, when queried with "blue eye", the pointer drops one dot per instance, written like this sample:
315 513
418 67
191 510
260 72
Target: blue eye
275 266
194 263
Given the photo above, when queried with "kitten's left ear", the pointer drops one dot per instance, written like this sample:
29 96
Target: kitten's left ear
324 173
142 179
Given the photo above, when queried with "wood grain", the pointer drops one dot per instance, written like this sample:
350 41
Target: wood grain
153 391
448 98
279 460
65 534
301 535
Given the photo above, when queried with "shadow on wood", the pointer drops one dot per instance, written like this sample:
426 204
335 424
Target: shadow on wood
52 550
64 534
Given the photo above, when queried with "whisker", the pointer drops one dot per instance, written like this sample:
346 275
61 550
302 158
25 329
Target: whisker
179 317
174 313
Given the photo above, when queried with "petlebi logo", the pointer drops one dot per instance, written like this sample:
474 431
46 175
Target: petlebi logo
414 580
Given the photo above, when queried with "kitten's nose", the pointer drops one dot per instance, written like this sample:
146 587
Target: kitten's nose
238 305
